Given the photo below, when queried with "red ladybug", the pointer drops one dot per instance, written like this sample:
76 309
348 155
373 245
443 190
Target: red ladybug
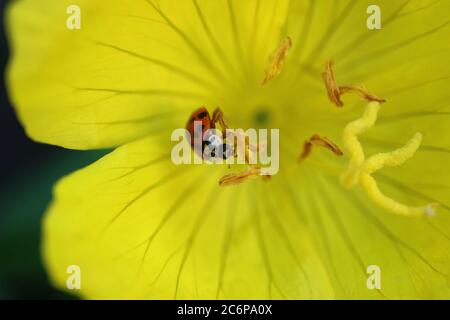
212 140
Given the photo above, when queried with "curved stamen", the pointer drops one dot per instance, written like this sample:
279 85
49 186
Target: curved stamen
335 92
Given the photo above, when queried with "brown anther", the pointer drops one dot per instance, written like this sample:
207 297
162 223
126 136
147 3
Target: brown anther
319 141
277 60
240 177
335 92
252 172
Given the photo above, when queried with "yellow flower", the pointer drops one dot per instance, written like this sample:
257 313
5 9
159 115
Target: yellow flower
140 227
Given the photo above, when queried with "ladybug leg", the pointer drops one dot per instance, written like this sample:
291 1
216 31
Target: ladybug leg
217 116
319 141
240 177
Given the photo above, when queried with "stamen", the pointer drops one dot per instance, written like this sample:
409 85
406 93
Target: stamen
277 60
239 177
319 141
360 170
250 149
335 92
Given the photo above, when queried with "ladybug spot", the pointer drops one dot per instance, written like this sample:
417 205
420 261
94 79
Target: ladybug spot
202 115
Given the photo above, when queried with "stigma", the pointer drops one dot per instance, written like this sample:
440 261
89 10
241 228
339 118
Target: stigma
360 170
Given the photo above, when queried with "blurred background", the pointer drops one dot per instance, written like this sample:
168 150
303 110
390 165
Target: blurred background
28 171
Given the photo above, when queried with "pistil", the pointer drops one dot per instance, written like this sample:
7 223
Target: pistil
360 169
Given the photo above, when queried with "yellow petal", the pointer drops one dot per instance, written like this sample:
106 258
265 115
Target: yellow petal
140 227
412 254
97 87
127 71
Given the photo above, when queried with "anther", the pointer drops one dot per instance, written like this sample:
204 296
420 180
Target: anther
277 60
239 177
319 141
335 92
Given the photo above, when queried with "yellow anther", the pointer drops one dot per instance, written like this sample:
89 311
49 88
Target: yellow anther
360 169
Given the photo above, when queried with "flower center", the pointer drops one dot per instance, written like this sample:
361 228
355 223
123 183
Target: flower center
261 116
